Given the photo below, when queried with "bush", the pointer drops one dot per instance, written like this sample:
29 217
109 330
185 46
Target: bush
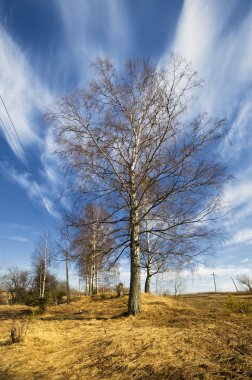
60 297
42 303
237 306
119 290
18 329
39 302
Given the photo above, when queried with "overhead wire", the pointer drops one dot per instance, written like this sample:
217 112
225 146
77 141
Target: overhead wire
28 166
10 174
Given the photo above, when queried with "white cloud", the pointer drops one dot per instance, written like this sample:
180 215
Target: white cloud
202 279
246 260
221 53
26 96
218 50
237 195
17 226
51 163
19 239
197 31
34 190
229 270
241 237
22 92
238 192
94 29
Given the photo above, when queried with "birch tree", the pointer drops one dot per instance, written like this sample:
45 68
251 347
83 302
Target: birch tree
92 245
245 281
167 246
63 253
41 261
17 282
128 134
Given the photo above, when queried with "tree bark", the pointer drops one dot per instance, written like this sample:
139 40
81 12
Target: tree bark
147 283
134 304
40 279
45 258
96 280
149 258
44 274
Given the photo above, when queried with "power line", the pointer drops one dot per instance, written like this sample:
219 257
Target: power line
12 142
22 190
17 153
30 167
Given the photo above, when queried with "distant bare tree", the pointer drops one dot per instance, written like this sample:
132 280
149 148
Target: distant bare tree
127 137
110 276
42 257
64 253
161 252
119 290
245 281
179 283
17 282
93 244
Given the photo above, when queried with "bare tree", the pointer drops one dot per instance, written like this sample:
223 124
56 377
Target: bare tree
64 253
169 251
41 261
245 281
17 282
179 283
127 136
110 276
92 245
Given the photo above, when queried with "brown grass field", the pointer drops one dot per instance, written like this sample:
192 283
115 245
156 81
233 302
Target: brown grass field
191 337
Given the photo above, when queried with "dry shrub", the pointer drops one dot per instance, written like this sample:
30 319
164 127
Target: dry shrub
237 306
19 328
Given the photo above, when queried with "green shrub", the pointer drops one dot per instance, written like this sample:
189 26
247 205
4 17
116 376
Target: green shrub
40 302
237 306
31 300
60 297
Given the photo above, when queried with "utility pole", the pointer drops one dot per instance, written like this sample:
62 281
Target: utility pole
79 286
234 284
214 282
67 278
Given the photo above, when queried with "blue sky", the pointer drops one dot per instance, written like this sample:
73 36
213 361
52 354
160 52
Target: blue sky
46 48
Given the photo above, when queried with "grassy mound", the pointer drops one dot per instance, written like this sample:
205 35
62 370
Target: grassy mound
194 337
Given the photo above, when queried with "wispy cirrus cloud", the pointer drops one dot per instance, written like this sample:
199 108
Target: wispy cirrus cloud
237 195
220 270
26 97
221 53
94 29
244 236
22 91
34 190
19 239
246 260
220 50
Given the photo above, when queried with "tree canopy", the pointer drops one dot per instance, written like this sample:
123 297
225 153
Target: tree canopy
130 142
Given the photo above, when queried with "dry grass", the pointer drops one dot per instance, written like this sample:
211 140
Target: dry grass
193 337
